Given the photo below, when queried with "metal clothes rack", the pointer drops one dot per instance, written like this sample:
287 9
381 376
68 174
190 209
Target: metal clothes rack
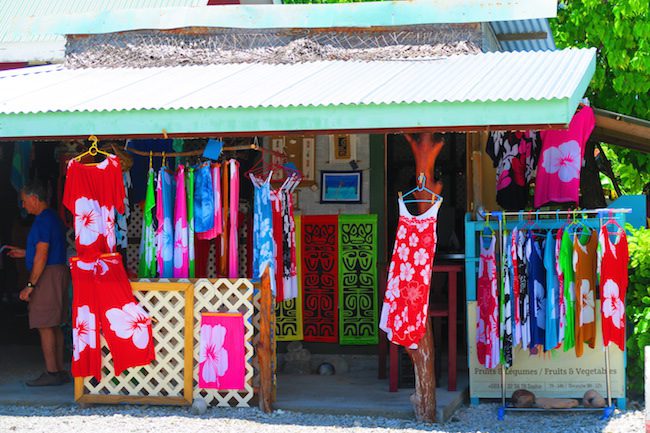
502 217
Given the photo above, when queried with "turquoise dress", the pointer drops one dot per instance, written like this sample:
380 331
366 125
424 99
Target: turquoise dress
552 294
263 249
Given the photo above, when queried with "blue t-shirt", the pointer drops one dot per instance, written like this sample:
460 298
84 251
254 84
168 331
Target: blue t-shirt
47 228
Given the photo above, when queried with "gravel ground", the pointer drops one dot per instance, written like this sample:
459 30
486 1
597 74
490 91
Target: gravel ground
138 419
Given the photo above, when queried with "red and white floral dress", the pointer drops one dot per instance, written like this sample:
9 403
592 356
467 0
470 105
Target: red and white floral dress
487 302
612 266
102 295
406 302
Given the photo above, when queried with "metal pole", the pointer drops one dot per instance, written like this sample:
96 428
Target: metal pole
559 212
608 383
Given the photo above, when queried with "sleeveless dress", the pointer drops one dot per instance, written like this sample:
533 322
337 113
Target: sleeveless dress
181 249
263 254
613 285
487 328
406 302
524 292
584 258
514 275
568 278
537 276
561 305
148 267
505 308
552 316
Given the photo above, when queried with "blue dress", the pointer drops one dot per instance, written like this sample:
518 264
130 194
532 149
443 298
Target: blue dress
263 246
537 291
203 199
552 293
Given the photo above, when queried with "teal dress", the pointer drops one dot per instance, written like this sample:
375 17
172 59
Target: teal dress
552 294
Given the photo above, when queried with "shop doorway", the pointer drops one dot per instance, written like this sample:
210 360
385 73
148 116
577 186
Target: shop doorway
452 171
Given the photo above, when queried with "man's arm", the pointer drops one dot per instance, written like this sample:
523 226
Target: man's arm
40 261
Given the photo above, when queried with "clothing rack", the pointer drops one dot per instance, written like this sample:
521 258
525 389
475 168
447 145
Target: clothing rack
502 224
197 152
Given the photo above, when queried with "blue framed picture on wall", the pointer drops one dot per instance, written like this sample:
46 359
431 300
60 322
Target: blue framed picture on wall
340 186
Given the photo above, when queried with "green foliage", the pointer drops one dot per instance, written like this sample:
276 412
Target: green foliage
638 305
631 168
619 30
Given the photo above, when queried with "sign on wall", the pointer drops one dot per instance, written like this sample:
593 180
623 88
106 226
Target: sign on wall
556 374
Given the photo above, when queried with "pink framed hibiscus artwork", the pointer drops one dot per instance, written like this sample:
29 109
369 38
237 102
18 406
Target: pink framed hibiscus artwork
222 359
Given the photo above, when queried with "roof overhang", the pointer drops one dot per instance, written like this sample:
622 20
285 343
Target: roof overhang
274 16
626 131
472 92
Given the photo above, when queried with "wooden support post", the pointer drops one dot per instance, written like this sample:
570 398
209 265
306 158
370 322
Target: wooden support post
426 147
264 349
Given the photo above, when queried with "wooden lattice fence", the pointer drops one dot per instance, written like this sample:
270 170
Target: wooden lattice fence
176 308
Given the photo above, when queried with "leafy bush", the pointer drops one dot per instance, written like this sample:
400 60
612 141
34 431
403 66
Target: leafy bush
638 305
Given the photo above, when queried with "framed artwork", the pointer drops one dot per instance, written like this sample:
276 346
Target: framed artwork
301 151
340 186
343 148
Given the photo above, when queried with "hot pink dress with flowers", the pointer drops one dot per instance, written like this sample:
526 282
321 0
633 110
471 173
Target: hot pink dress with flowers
406 302
558 172
487 301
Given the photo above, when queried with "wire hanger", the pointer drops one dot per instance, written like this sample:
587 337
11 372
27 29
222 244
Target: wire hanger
421 186
93 149
488 231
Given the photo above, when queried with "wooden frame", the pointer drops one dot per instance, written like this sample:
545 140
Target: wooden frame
188 354
343 148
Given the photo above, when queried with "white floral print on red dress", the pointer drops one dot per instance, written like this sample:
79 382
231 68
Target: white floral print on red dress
406 301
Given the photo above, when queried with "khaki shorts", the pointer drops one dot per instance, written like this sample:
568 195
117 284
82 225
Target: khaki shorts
48 304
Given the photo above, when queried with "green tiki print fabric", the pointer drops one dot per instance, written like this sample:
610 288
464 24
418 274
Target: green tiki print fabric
358 279
288 314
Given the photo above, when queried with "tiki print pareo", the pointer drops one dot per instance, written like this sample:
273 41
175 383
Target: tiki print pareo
358 279
320 278
288 314
222 359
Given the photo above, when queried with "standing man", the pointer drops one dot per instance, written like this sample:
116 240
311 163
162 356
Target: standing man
47 288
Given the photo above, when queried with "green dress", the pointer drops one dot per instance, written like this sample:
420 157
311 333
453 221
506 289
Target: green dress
566 264
189 187
148 265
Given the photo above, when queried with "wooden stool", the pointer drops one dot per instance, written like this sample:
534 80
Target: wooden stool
435 310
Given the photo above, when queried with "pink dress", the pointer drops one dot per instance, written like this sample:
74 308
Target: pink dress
406 302
181 233
233 247
487 320
558 172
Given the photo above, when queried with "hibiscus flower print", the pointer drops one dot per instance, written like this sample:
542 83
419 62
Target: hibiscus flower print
265 227
108 216
425 273
413 240
167 245
421 257
212 354
406 272
423 225
130 322
180 246
392 289
397 323
564 160
401 233
586 302
87 220
84 332
403 252
613 306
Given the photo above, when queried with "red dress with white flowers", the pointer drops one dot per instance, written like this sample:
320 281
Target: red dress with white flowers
102 295
93 193
613 286
487 301
406 302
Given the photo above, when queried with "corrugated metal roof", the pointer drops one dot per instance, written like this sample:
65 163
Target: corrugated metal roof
525 26
10 10
481 77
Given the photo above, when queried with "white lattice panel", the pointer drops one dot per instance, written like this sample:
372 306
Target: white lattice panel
165 376
232 296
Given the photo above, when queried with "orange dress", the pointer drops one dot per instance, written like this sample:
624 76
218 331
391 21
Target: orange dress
584 262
